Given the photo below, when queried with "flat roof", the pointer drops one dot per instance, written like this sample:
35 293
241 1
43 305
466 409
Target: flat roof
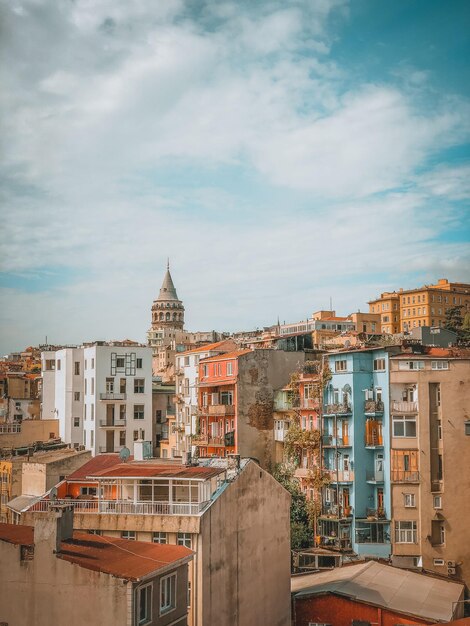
52 456
385 586
127 559
17 534
142 469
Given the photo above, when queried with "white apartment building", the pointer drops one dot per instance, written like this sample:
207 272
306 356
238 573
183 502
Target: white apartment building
102 394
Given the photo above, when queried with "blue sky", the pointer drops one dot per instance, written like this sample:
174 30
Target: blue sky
280 153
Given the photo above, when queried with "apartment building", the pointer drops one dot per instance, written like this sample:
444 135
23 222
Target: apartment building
218 509
430 460
423 306
183 423
236 401
356 507
163 411
102 394
53 575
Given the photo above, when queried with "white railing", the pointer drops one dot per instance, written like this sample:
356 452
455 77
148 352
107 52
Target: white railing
10 428
404 407
123 507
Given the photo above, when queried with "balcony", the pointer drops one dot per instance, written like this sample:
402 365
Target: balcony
340 476
112 397
404 407
337 409
335 442
371 407
376 514
375 477
200 440
216 441
333 511
405 476
374 442
123 507
117 423
221 409
307 403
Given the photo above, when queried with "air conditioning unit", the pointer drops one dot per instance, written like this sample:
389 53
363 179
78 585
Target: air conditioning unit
451 564
451 570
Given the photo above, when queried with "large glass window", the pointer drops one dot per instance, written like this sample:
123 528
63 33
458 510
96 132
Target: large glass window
167 594
406 532
404 425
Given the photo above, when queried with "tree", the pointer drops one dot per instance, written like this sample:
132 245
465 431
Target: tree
458 322
301 532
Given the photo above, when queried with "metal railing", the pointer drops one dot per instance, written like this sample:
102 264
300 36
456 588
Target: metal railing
338 409
341 476
122 507
374 477
113 396
404 476
112 424
373 406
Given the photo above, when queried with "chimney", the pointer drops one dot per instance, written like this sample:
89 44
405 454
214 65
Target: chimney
54 527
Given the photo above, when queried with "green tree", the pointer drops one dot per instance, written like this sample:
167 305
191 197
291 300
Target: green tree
301 532
458 322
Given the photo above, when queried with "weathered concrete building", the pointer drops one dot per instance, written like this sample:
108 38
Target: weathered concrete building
52 575
430 460
235 518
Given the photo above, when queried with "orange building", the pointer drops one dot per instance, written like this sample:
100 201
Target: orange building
423 306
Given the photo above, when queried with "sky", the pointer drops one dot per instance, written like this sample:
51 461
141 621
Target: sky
280 153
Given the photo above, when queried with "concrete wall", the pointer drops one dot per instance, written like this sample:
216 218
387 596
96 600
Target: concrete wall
38 477
31 431
260 373
244 554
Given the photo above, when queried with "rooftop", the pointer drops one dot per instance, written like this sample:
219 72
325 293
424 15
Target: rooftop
155 469
385 586
98 464
218 345
227 355
17 534
131 560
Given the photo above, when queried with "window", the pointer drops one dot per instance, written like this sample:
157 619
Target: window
437 502
138 411
58 364
135 435
204 370
467 428
184 539
379 365
167 594
50 365
122 437
409 500
411 365
92 438
406 532
186 361
120 362
92 386
88 491
139 364
139 384
128 534
159 537
341 366
143 604
439 562
93 364
439 365
77 368
92 408
76 396
229 369
404 425
76 422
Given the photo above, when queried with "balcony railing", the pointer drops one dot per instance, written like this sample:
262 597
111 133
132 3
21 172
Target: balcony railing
373 406
117 423
374 441
404 476
200 440
374 477
378 513
122 507
329 440
340 476
337 512
308 403
404 407
112 396
221 409
216 441
337 409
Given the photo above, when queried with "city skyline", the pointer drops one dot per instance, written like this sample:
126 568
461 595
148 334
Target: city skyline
279 155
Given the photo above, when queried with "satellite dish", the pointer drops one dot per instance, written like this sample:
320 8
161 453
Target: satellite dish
53 493
124 454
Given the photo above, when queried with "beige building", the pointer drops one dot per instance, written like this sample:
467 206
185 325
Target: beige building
430 460
235 516
52 575
423 306
13 436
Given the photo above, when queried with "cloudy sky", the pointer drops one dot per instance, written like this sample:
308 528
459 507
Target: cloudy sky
279 152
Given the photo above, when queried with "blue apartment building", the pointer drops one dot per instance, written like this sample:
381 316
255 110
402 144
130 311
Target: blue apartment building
355 453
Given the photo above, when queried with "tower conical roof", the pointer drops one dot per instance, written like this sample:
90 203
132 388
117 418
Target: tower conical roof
167 290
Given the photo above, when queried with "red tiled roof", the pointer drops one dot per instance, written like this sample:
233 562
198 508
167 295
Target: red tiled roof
157 470
218 381
210 346
96 464
228 355
131 560
18 534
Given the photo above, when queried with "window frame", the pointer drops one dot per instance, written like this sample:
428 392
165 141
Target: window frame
170 606
148 589
404 419
138 410
401 534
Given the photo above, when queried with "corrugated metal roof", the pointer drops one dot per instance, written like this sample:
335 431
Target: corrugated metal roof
21 503
18 534
131 560
96 464
389 587
155 470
